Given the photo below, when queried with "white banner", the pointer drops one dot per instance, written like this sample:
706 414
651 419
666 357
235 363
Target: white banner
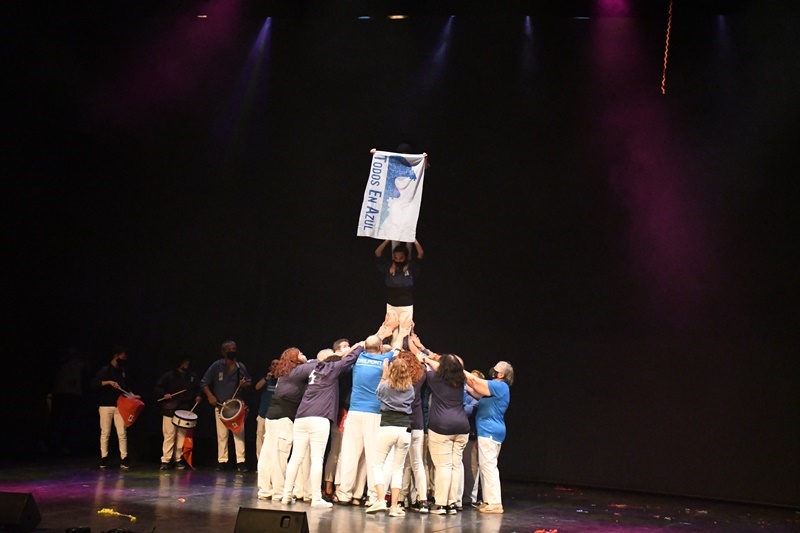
392 197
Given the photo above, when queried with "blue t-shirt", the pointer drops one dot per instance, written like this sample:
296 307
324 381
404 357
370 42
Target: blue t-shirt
491 409
223 384
266 396
367 374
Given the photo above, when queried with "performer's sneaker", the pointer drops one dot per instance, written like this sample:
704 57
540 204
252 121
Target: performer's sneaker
451 508
478 504
321 504
438 509
396 511
492 508
181 465
221 467
104 462
164 466
377 507
424 507
288 500
124 464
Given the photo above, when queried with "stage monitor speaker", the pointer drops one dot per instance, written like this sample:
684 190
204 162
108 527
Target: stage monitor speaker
270 521
18 512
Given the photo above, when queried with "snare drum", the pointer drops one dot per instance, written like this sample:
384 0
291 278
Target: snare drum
184 419
232 414
129 409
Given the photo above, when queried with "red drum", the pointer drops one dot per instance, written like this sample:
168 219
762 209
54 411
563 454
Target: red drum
184 419
129 409
232 414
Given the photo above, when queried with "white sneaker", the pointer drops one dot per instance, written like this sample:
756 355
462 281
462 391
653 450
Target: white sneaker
288 500
321 504
396 511
376 507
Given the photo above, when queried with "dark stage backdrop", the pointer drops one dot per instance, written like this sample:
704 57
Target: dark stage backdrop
174 181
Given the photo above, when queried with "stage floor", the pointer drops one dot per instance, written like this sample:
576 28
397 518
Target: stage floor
70 494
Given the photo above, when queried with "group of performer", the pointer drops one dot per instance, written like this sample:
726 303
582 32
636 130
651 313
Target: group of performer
393 416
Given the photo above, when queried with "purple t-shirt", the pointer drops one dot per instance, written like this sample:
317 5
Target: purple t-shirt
322 393
446 415
288 392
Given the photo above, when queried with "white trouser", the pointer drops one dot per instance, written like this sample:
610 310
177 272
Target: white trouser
361 476
172 449
333 454
415 464
430 471
460 491
110 415
278 438
310 433
388 437
360 432
261 427
268 458
476 477
222 441
488 451
446 453
401 310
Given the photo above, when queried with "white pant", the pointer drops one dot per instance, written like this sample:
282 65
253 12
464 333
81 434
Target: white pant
474 465
174 436
415 463
360 433
278 438
222 441
388 437
361 476
405 309
488 451
472 451
110 415
333 454
446 453
261 427
309 433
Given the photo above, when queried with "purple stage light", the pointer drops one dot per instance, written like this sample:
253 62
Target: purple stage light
613 8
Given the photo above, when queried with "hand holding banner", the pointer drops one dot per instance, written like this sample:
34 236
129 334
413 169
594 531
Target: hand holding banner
393 197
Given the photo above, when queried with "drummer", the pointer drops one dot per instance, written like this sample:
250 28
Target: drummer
221 381
111 381
178 389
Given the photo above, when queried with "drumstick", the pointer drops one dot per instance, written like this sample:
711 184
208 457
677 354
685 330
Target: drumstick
173 394
125 393
195 405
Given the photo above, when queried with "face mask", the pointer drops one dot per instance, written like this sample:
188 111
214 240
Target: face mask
230 355
492 373
122 362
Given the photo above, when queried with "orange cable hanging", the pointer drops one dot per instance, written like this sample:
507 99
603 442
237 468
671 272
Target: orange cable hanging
666 51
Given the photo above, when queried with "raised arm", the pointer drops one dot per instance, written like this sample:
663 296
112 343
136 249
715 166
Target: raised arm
481 386
420 251
381 247
406 324
430 361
